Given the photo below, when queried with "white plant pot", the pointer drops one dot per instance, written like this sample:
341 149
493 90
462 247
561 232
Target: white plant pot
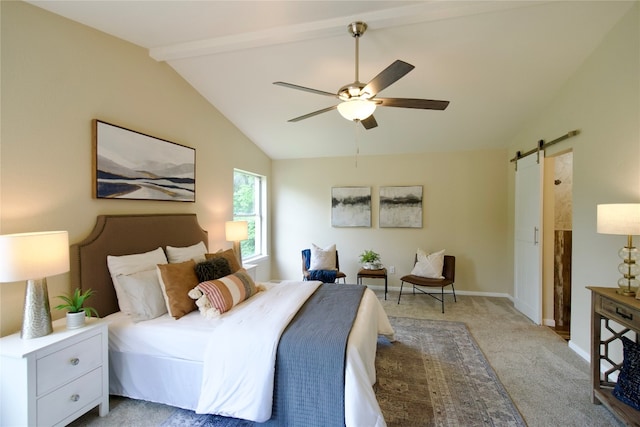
75 320
371 265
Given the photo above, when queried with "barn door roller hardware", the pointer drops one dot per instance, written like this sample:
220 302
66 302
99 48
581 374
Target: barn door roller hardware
542 145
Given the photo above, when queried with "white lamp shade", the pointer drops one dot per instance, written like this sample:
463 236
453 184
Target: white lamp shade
236 230
26 256
621 218
356 109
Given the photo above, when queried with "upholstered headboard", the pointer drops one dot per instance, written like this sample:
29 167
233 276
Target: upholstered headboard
124 235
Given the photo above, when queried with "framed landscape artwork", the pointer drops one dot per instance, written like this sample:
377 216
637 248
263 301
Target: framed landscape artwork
135 166
351 207
401 207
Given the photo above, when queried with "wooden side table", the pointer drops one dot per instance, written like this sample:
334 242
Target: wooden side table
380 273
606 306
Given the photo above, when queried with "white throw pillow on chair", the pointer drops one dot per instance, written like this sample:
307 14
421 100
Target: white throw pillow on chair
429 265
323 259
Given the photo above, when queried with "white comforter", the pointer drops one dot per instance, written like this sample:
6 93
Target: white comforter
240 357
240 360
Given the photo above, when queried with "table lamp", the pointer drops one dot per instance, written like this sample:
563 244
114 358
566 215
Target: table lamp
235 231
32 257
623 219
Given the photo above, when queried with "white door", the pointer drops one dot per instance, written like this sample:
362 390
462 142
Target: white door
528 232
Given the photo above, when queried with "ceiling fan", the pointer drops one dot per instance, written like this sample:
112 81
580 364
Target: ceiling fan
359 100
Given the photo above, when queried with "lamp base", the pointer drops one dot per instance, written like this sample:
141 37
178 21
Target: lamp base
238 251
628 284
626 292
36 320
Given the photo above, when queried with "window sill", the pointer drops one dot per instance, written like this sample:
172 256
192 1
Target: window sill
256 259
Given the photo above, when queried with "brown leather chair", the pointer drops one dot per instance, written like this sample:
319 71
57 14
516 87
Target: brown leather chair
449 273
306 261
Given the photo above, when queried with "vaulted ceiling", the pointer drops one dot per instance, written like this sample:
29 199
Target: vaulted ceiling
499 63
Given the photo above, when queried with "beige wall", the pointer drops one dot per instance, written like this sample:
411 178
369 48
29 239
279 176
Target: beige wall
57 75
464 212
602 100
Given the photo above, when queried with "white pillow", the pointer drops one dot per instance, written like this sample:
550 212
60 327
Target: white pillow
195 252
129 264
429 266
144 294
323 259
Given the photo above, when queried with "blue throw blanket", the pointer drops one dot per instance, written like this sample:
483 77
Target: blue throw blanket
311 357
325 276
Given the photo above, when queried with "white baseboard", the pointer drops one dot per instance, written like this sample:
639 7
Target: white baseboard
549 322
580 352
587 356
485 294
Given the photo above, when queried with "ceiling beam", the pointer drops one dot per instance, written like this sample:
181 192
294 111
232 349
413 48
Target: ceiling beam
406 15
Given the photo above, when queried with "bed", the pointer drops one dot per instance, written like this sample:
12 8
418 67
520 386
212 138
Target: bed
143 366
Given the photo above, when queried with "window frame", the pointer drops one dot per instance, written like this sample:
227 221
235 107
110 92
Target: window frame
259 216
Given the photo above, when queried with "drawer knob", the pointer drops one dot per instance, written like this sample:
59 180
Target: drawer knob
74 361
75 397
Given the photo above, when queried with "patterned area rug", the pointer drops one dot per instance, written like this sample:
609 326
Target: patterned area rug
434 374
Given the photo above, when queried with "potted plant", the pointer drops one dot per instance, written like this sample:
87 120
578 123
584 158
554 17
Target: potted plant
370 260
76 311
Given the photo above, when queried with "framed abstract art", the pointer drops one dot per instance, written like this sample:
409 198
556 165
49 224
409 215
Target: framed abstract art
401 207
351 207
131 165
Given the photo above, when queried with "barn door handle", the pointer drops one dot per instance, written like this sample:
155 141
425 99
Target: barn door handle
535 235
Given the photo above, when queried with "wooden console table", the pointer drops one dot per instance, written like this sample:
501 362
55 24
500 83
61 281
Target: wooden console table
606 306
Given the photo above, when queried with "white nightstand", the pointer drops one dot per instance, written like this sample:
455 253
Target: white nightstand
52 380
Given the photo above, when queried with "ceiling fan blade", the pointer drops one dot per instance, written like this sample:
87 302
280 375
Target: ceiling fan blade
387 77
306 89
424 104
369 122
315 113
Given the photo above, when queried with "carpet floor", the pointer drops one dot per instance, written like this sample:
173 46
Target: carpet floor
434 374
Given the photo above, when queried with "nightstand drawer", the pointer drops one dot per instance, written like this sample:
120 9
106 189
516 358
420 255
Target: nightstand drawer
624 314
67 364
61 403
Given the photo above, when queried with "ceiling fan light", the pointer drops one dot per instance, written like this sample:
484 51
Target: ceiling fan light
356 109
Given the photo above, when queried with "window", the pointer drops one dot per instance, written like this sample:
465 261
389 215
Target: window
249 204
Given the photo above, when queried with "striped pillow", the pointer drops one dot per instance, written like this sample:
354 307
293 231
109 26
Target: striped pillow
224 293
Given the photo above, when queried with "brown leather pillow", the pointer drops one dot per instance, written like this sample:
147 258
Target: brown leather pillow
230 256
176 281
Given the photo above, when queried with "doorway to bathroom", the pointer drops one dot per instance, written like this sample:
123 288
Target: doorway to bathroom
557 249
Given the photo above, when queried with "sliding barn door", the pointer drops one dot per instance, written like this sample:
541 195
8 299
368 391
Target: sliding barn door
528 232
